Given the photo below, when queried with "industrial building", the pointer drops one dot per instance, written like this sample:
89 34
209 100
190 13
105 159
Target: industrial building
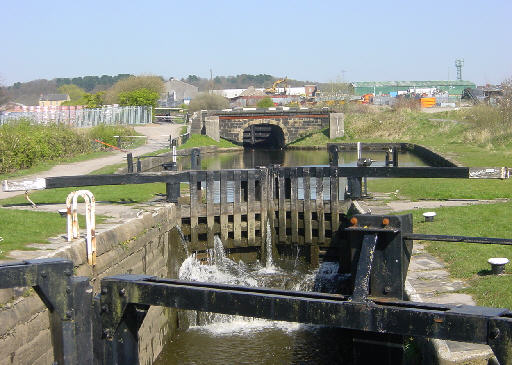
453 88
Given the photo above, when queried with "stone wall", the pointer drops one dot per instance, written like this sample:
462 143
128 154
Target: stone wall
294 123
149 244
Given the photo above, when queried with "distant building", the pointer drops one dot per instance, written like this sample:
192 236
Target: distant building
455 88
53 99
176 93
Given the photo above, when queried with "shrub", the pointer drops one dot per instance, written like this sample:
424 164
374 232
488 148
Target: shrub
132 83
206 101
406 103
106 133
266 102
23 145
142 96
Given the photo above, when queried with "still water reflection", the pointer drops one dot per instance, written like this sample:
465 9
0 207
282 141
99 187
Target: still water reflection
253 158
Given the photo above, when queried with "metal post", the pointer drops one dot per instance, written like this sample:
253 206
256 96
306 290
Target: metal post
395 157
139 165
333 154
195 159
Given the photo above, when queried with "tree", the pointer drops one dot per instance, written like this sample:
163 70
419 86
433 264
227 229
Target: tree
94 100
266 102
75 93
132 83
205 101
137 97
3 96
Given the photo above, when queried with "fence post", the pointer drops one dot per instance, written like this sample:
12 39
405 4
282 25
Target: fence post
129 161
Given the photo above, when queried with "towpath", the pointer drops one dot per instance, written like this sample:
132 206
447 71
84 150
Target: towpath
158 138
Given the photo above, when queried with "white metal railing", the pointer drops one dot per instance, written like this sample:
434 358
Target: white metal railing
72 216
81 117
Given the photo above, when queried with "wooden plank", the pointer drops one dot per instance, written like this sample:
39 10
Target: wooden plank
251 198
335 183
294 199
193 207
320 204
306 183
210 217
237 219
224 206
282 207
264 191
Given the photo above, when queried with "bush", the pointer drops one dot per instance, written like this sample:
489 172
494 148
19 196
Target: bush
406 103
23 145
137 97
106 133
206 101
132 83
266 102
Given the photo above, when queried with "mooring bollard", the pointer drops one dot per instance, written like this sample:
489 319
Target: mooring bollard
429 216
498 265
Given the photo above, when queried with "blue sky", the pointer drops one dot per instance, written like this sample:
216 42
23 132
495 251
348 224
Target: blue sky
306 40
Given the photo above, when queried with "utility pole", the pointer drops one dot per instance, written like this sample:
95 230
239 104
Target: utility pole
211 81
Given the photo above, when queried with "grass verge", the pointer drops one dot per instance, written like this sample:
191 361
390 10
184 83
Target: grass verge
197 140
116 194
468 261
19 228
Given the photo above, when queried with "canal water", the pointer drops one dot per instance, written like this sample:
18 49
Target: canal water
258 157
223 339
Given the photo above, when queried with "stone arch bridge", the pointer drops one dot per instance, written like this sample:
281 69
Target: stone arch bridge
276 127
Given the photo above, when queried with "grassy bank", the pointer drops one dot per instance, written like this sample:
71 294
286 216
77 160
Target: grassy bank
27 148
197 140
468 261
479 136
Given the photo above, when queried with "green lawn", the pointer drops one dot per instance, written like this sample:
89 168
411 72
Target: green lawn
468 261
198 140
117 194
21 227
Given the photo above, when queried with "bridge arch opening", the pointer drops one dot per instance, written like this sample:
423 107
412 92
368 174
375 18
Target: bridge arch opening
263 135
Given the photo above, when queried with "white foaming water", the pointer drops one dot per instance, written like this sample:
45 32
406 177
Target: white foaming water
220 269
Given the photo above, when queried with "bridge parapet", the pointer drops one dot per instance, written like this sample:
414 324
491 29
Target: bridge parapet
236 124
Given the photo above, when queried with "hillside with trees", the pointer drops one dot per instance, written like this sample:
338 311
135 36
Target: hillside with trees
105 89
238 82
28 93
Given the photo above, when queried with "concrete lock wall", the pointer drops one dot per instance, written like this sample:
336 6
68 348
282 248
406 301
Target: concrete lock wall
336 125
212 127
149 244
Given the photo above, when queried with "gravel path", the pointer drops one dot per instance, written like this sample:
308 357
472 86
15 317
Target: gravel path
158 138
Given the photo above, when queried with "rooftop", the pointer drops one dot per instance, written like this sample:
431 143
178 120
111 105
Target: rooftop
412 83
54 97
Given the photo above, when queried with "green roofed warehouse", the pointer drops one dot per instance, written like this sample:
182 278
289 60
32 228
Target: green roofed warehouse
454 88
